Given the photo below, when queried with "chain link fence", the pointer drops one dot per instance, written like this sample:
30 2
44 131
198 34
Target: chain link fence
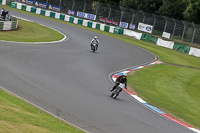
181 31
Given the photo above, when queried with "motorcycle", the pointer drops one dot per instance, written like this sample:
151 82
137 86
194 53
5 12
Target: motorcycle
116 92
94 47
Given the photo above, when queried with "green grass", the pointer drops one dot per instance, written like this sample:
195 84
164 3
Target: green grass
171 88
18 116
31 32
176 90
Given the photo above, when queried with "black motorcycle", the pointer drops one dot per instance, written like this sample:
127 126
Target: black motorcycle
116 92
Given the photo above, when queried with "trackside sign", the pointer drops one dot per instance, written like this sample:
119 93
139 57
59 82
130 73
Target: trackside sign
145 27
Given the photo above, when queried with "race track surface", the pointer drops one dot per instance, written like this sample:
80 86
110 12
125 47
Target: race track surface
73 83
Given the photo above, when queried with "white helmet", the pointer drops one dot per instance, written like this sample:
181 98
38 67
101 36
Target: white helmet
95 37
125 74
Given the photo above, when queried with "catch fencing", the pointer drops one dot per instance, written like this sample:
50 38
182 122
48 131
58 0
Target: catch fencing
180 31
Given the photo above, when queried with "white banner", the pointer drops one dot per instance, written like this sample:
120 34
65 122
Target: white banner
102 26
28 8
94 25
145 27
47 13
75 20
67 18
111 30
194 52
166 35
132 34
167 44
57 15
3 2
85 23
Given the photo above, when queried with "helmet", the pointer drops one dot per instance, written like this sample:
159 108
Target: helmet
124 74
95 37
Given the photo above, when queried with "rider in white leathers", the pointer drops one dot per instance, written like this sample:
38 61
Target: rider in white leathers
96 41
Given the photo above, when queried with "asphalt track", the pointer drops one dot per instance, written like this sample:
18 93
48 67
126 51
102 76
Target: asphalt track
71 82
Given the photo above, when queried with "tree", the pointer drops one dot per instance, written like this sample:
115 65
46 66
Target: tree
173 8
192 12
115 2
145 5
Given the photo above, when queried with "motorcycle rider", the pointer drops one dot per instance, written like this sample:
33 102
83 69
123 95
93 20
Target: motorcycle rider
96 41
121 79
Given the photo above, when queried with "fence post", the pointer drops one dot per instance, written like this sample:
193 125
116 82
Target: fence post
60 3
121 13
73 5
109 11
84 7
165 23
97 9
174 28
47 2
193 34
132 16
183 31
143 17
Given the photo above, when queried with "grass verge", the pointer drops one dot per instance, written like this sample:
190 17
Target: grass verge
174 89
31 32
18 116
149 82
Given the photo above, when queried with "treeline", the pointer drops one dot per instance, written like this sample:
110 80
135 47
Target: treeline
188 10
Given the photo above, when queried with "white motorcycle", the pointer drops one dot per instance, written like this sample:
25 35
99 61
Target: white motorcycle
94 47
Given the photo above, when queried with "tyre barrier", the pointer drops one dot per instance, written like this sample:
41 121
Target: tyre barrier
9 25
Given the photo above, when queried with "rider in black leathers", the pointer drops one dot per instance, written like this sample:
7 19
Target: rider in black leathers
121 79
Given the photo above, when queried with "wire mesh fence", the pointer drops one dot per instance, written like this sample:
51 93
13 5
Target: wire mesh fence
180 31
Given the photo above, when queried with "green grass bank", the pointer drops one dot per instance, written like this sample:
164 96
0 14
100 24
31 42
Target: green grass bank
17 116
174 89
31 32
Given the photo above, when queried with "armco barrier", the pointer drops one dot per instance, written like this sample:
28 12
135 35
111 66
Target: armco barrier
113 29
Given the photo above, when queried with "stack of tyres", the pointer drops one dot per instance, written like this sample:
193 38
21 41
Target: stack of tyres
62 17
80 21
1 25
71 19
33 9
43 12
13 4
98 26
107 28
89 24
24 7
52 14
118 30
